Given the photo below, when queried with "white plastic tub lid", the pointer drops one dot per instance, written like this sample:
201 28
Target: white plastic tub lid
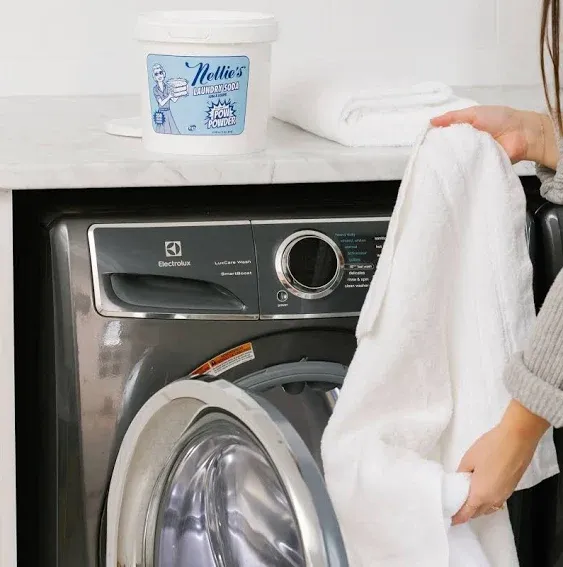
207 27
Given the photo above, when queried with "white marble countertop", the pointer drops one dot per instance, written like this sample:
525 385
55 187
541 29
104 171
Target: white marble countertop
52 143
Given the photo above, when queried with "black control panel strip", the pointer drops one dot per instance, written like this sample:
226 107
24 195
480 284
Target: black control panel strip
235 269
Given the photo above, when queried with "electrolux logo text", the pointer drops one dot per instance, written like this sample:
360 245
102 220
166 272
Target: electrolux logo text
174 264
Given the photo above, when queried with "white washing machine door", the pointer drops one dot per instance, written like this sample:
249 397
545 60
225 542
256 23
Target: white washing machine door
211 476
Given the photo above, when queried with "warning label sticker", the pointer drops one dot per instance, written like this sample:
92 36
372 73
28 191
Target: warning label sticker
225 361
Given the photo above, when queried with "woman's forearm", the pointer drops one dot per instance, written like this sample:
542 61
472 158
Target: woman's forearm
542 141
520 421
535 377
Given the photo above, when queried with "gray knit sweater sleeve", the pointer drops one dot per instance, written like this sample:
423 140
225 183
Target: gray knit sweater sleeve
535 377
552 181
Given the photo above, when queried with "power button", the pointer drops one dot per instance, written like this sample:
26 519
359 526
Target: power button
282 296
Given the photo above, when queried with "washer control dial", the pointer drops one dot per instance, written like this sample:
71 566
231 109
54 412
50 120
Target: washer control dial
309 264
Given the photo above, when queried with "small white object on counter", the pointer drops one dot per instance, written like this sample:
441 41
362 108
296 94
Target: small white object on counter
128 127
61 143
206 78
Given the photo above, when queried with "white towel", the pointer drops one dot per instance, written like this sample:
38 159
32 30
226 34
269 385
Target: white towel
451 300
362 114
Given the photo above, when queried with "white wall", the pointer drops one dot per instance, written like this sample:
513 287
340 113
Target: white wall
86 46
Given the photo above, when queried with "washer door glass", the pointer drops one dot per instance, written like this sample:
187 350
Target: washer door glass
210 475
223 504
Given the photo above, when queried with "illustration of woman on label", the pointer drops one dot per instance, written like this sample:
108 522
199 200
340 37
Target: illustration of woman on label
164 92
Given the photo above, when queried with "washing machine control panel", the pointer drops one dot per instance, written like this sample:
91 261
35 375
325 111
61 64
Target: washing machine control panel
320 268
244 269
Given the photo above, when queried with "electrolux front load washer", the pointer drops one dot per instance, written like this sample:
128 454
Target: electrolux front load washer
132 304
191 367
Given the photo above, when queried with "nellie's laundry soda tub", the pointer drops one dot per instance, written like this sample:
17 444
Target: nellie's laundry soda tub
206 81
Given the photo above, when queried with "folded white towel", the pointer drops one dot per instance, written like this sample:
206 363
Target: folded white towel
451 300
363 114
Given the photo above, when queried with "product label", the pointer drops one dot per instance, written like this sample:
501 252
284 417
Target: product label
198 96
225 361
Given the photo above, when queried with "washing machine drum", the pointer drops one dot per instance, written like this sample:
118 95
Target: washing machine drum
212 474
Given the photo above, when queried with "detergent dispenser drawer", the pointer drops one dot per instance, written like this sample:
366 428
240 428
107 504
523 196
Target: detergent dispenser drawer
199 270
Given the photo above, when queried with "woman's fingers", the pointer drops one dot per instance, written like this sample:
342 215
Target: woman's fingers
465 116
474 507
479 501
466 513
467 463
471 507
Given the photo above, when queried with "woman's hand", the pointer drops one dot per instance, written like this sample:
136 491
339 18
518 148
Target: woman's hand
498 460
523 135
